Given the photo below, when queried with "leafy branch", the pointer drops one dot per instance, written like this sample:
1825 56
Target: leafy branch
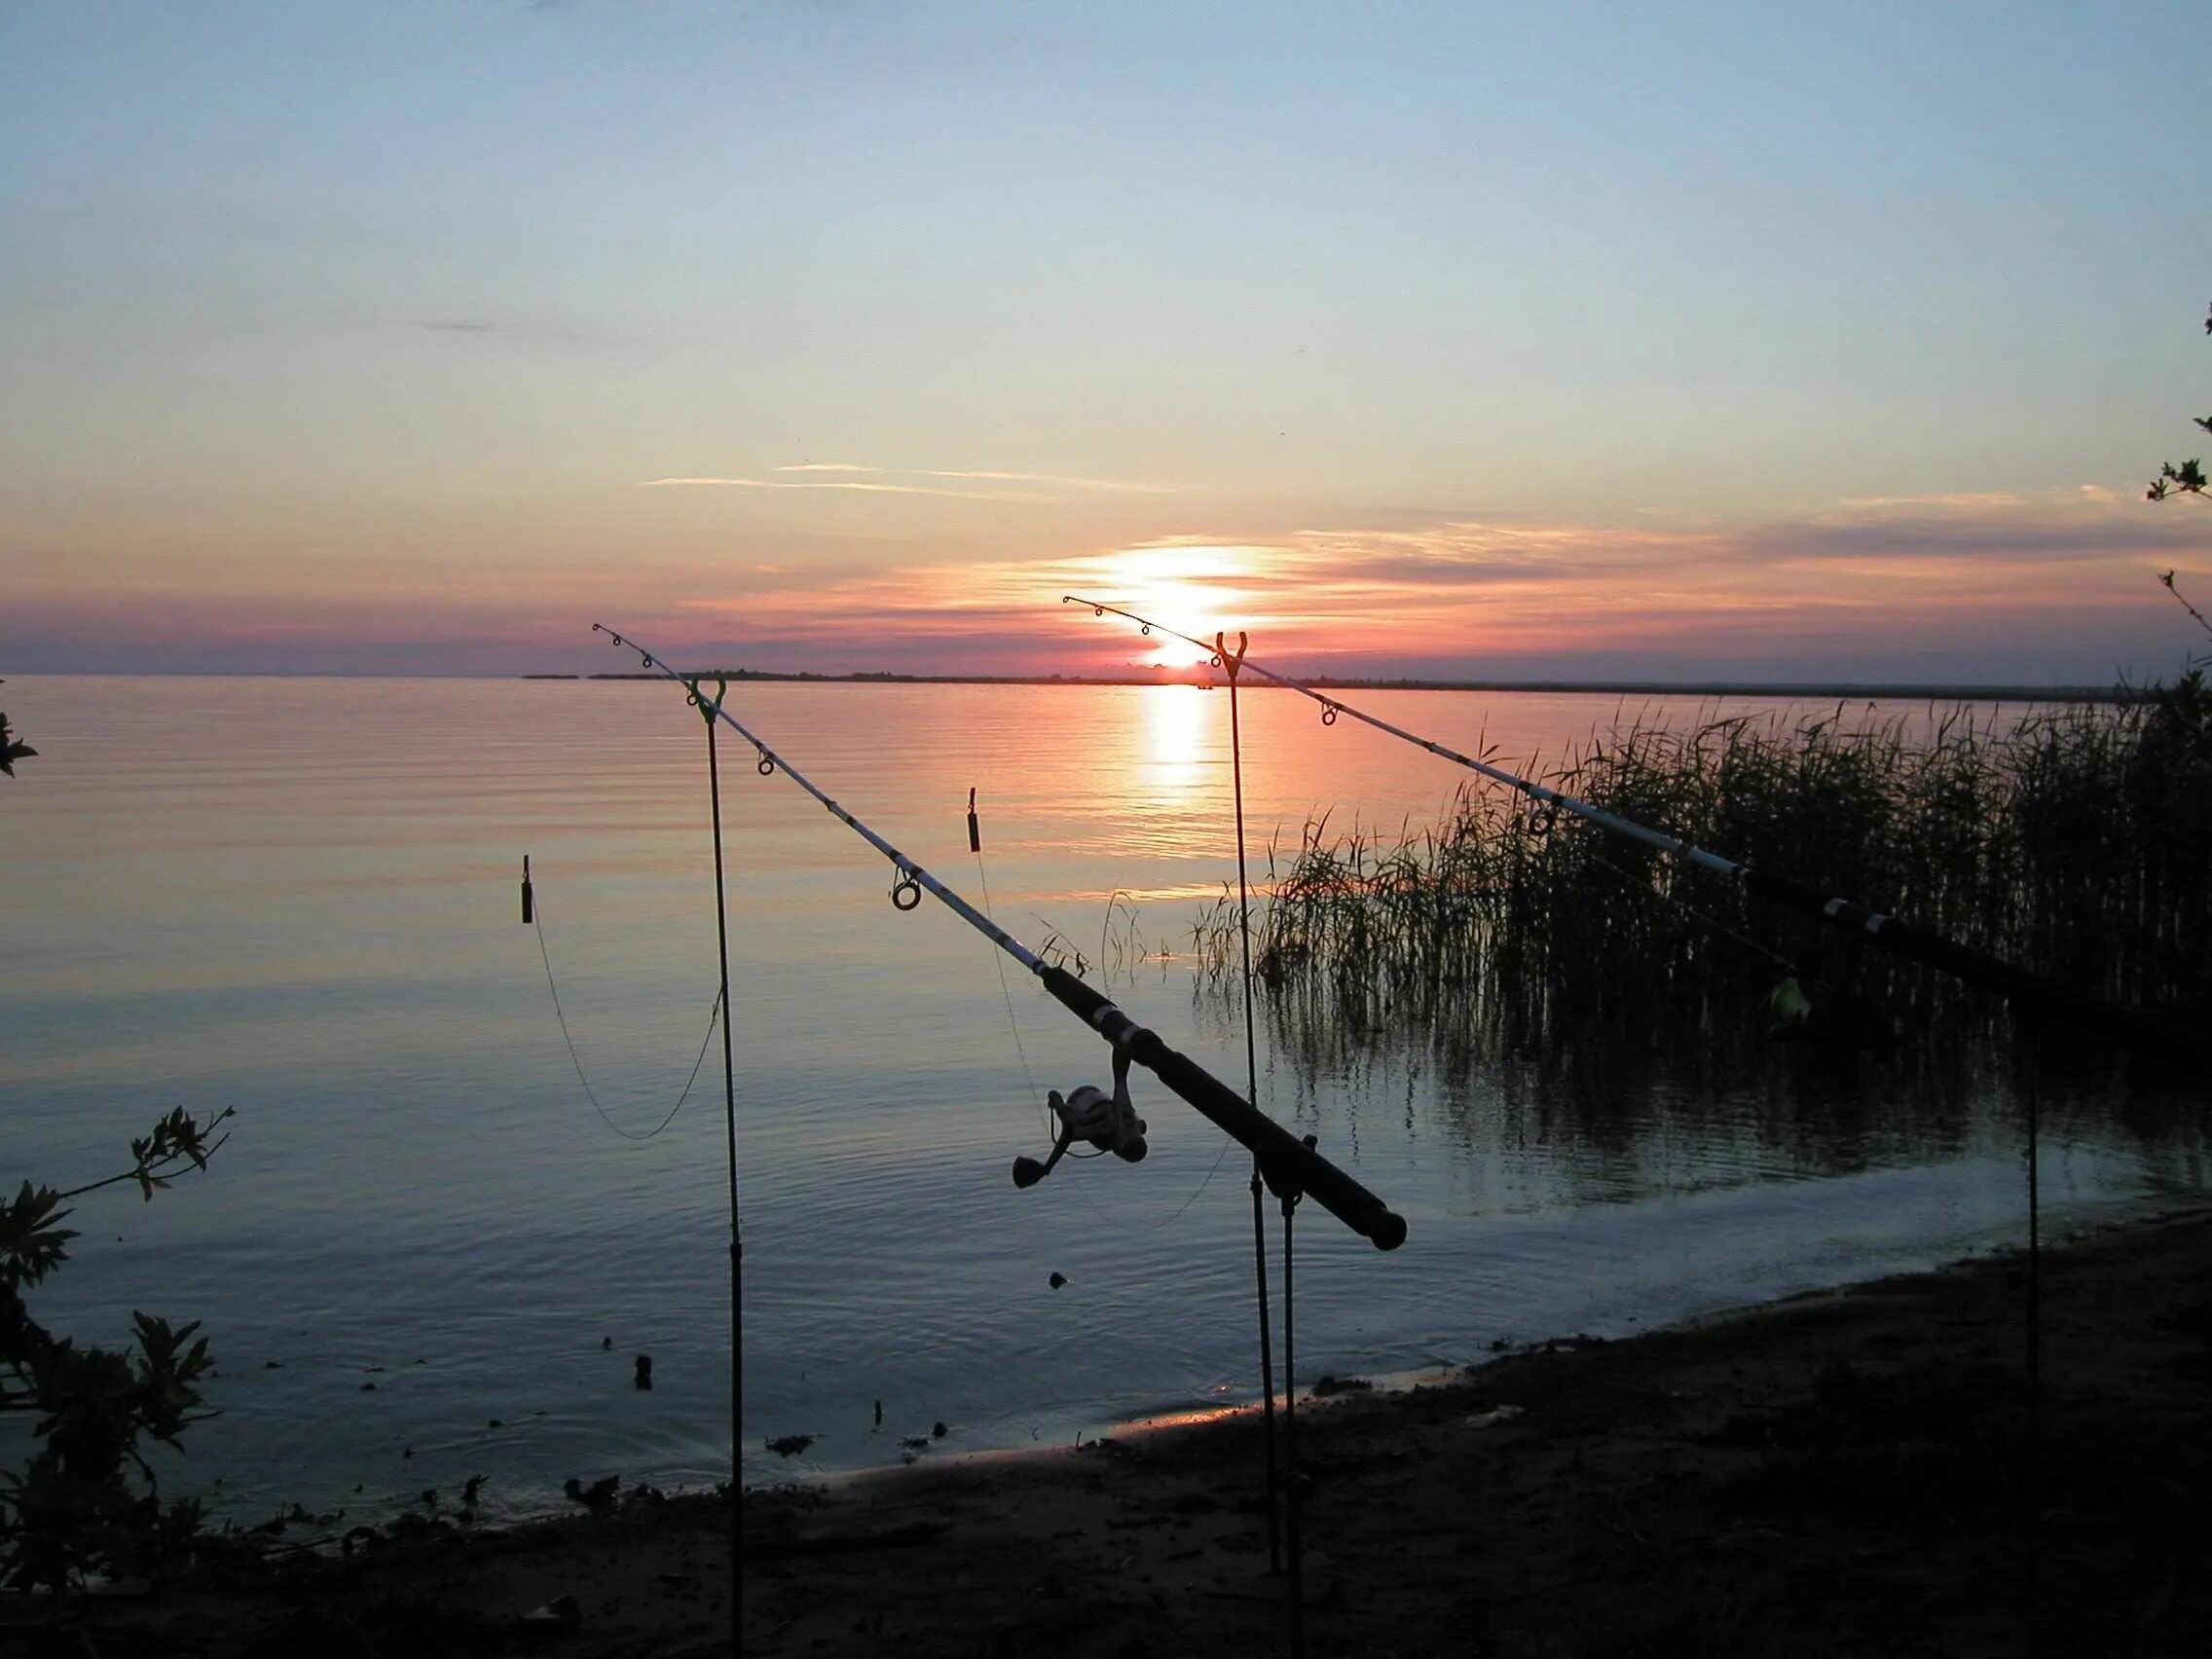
10 750
72 1510
2186 478
175 1140
2167 577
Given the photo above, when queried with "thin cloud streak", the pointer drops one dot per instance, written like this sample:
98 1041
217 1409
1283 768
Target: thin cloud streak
841 484
1060 478
983 475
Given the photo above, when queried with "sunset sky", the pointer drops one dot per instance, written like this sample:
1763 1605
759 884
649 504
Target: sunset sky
1506 341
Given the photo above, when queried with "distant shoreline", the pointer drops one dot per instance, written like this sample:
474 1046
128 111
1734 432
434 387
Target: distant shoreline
1810 690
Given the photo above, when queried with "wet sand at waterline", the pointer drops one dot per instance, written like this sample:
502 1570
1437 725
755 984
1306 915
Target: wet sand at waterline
1857 1471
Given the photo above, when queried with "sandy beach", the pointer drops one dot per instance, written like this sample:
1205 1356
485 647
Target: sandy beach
1865 1471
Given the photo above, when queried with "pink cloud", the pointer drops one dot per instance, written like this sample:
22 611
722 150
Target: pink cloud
1968 587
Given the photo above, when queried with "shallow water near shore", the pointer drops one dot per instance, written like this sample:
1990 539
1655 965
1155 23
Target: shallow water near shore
425 1255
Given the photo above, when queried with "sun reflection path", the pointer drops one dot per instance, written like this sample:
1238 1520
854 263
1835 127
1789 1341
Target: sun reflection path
1161 786
1175 722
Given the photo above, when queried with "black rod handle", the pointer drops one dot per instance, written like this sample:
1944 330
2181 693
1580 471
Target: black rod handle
2029 992
1287 1165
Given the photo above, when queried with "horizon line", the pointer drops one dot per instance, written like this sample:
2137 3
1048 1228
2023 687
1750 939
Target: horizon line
2120 690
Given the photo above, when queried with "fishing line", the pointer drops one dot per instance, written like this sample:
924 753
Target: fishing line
1289 1164
1055 934
1221 1153
2028 991
1029 1079
1205 1180
534 910
1785 1004
1639 885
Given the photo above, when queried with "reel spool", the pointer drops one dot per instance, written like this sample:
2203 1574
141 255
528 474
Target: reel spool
1107 1122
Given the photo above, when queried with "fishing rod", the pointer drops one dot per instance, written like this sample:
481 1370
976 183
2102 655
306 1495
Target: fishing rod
1290 1166
2027 990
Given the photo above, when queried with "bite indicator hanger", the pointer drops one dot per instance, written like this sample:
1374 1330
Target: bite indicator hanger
528 906
1108 1122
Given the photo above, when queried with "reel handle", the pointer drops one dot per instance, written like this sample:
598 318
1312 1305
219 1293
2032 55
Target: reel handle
1027 1171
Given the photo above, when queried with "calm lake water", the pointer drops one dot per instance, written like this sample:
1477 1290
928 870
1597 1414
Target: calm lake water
299 898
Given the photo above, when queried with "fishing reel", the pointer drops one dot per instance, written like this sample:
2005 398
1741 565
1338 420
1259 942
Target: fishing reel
1108 1122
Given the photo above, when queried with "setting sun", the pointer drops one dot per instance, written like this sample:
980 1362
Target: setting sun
1192 589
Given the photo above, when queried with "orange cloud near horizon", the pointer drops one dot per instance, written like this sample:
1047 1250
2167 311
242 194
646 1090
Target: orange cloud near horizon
1901 568
1864 579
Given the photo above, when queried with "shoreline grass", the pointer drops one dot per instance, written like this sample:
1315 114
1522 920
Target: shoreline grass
2071 841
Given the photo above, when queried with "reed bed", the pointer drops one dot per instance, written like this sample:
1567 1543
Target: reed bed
2071 841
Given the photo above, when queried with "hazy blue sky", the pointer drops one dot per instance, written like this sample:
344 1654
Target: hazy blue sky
1575 339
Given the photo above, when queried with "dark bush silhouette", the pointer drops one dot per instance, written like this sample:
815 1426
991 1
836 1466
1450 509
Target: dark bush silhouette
10 750
86 1500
